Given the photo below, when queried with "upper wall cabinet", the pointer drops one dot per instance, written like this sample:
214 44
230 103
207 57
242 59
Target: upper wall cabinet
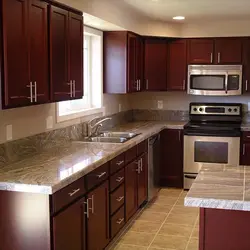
123 57
177 65
66 55
226 50
246 65
25 53
155 64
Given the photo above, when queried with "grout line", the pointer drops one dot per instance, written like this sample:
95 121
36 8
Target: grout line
191 233
164 221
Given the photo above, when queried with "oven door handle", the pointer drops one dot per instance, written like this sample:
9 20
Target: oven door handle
190 177
226 83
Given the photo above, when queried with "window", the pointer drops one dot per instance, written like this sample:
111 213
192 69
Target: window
91 102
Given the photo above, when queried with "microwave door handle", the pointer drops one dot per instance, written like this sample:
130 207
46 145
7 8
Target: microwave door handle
226 83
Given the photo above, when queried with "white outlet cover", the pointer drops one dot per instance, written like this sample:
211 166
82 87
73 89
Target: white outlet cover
248 104
9 135
160 104
49 122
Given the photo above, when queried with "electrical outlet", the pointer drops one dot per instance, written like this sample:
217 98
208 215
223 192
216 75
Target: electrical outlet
248 106
120 107
9 132
160 104
49 122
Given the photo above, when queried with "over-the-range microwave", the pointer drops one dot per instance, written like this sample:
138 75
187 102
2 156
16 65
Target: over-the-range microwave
215 80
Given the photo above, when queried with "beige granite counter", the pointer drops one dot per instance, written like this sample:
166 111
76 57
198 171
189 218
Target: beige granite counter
222 187
245 126
54 169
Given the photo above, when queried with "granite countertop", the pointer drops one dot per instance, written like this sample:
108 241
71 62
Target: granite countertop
245 126
56 168
222 187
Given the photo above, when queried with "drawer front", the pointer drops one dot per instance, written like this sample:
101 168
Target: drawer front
117 163
130 155
68 194
117 222
142 147
116 180
97 176
117 199
246 136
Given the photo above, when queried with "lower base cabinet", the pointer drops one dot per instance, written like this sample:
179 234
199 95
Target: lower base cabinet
117 221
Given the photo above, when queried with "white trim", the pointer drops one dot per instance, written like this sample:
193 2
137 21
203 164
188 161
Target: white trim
75 115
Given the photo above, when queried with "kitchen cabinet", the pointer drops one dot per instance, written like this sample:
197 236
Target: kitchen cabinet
155 64
66 54
25 53
177 65
98 217
245 148
70 237
171 171
122 62
246 65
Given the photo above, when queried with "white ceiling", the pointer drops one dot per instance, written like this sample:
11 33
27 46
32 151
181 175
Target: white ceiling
193 10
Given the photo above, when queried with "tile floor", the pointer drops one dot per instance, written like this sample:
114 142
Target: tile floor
164 224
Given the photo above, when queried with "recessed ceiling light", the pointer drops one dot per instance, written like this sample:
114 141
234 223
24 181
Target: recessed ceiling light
178 17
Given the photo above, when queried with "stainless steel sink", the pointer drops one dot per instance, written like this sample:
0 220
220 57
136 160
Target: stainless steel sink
127 135
106 139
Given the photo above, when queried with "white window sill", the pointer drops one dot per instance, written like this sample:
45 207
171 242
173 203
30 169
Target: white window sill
79 114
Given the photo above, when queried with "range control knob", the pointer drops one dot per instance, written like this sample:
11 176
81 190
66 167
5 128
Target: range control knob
200 109
229 110
195 109
235 110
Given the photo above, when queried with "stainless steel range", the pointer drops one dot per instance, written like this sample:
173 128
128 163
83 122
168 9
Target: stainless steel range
212 136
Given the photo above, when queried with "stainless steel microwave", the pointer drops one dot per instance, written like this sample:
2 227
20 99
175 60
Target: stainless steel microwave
215 80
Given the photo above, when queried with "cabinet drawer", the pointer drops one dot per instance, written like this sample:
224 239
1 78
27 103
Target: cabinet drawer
246 136
130 155
117 222
97 176
117 163
142 147
117 199
116 180
68 194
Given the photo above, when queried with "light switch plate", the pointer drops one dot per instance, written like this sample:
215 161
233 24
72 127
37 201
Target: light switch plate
160 104
49 122
9 135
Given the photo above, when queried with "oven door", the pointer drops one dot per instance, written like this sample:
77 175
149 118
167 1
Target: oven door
211 150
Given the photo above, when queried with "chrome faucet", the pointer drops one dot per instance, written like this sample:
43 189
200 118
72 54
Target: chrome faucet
95 129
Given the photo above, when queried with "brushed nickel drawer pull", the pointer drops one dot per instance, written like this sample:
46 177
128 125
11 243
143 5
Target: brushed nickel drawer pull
74 192
101 175
119 163
87 208
119 179
93 206
120 198
120 221
248 136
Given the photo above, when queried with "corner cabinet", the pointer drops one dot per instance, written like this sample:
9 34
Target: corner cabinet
66 54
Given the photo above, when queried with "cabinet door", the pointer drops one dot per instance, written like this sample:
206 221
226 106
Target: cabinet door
69 228
155 68
246 65
228 50
15 53
39 54
200 51
171 172
131 189
177 65
143 180
98 221
245 154
61 89
76 54
132 81
139 62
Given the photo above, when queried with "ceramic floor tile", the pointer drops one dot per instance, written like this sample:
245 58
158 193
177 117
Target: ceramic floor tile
137 239
195 233
176 230
159 208
180 201
129 247
187 210
172 242
170 192
183 219
145 226
152 216
166 200
193 244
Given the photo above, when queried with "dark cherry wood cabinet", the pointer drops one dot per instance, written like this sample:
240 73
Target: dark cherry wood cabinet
66 54
200 51
66 236
171 171
177 65
98 217
246 65
123 60
155 64
245 148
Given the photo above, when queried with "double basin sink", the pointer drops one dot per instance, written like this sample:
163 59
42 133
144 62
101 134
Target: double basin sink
111 137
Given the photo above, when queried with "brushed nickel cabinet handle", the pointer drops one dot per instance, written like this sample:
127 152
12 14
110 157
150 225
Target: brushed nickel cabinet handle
101 175
147 84
138 163
211 57
71 88
31 92
74 192
35 91
219 57
120 198
184 84
119 163
119 179
74 87
92 205
120 221
139 84
244 149
87 208
141 164
246 85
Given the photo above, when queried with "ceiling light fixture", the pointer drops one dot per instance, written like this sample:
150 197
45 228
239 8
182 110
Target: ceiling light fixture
178 17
